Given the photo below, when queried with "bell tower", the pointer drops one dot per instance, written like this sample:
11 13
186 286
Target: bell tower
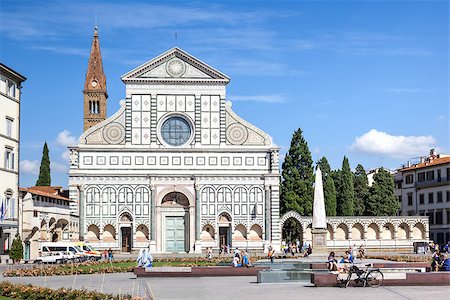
94 91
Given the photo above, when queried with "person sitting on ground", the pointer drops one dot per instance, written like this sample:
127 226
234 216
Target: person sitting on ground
332 262
435 261
236 263
445 264
246 261
308 251
347 258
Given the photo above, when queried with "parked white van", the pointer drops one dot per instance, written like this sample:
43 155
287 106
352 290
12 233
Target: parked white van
69 251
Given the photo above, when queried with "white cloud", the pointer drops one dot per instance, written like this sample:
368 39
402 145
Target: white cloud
441 118
66 155
382 143
29 166
57 167
274 98
65 139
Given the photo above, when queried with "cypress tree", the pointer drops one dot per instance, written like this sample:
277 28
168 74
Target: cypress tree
329 190
361 187
382 200
298 177
345 195
44 171
16 252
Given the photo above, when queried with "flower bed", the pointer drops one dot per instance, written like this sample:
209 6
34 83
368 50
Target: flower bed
22 291
122 266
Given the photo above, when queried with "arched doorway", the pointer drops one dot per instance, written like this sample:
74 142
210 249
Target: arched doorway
176 222
125 225
224 223
292 231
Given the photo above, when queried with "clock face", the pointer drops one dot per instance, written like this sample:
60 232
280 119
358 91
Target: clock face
94 83
176 67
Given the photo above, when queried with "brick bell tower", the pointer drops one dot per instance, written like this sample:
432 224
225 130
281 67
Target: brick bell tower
94 92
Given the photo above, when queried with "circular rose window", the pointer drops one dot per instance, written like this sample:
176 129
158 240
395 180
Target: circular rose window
176 131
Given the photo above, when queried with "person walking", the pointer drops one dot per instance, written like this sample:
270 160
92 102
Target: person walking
271 254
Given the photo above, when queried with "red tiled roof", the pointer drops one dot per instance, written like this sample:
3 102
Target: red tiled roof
428 163
46 191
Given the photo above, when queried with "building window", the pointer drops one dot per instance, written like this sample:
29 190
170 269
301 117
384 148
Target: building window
410 199
400 199
9 205
448 174
448 216
430 198
448 196
399 185
35 213
439 197
421 177
430 175
439 218
9 159
11 89
430 215
3 85
409 179
421 199
9 123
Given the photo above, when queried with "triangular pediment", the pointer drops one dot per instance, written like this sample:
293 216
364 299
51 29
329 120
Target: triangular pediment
175 65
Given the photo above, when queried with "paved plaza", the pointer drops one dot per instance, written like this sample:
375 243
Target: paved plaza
228 288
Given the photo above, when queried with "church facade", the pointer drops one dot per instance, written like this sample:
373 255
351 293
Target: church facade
175 168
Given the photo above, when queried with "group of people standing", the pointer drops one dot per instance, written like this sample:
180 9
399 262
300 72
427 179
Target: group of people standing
108 255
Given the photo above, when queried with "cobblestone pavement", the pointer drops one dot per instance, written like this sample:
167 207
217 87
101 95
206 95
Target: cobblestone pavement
228 288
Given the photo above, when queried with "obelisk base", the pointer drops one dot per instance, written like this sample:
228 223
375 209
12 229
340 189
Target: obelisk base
319 242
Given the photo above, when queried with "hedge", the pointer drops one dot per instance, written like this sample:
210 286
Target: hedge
97 268
22 291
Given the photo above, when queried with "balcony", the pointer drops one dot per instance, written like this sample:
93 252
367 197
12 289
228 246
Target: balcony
431 183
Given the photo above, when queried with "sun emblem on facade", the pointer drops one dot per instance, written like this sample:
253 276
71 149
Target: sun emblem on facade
176 67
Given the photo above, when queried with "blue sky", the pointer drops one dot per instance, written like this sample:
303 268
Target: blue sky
366 79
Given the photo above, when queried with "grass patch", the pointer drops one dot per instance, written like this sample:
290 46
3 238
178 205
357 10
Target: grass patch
5 298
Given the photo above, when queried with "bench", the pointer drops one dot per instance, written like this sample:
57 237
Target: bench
197 271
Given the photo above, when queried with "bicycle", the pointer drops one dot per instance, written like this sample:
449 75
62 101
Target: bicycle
372 277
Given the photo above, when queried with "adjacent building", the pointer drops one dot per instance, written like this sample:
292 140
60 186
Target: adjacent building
10 98
423 189
175 168
46 217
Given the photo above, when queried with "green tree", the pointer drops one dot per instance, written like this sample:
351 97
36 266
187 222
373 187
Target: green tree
382 200
297 177
16 251
329 190
345 194
361 187
44 172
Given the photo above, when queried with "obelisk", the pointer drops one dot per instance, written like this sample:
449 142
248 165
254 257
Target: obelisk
319 223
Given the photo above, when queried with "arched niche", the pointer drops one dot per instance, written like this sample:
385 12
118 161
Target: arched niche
93 234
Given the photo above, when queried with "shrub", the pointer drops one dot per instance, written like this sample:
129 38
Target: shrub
16 252
22 291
